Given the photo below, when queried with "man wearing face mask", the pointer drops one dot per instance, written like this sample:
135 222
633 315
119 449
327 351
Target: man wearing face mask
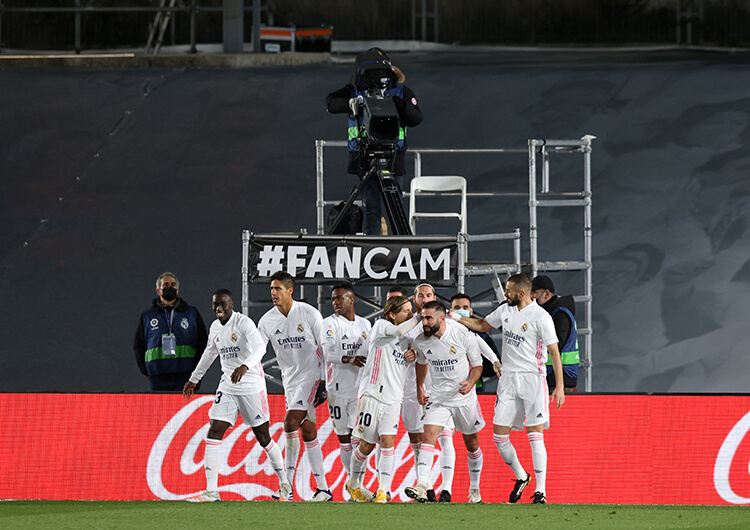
170 338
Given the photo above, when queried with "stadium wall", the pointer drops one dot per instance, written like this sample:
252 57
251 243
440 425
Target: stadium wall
623 449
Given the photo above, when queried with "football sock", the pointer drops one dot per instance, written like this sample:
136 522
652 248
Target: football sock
346 456
315 458
359 466
387 458
277 460
508 453
424 466
212 461
291 455
447 458
415 450
539 457
476 460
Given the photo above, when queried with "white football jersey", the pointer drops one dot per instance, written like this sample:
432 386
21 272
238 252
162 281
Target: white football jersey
344 338
526 335
385 372
450 359
235 343
296 341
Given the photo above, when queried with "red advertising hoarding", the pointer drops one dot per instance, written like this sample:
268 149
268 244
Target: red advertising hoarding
601 449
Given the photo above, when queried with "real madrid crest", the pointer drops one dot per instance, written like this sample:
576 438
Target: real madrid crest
452 351
364 335
234 337
300 329
524 327
184 324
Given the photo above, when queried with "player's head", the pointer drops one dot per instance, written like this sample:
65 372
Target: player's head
282 288
396 290
167 287
342 299
461 304
433 317
542 289
222 304
397 309
517 288
423 293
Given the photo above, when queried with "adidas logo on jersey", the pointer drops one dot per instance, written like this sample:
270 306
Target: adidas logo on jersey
476 423
278 332
540 415
344 338
300 402
257 417
428 352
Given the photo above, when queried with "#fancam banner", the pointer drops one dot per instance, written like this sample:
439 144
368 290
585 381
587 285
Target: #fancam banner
361 260
602 449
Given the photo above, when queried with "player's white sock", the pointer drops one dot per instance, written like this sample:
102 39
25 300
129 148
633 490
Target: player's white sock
346 450
315 457
277 461
447 458
539 457
476 460
212 462
359 466
387 459
415 450
424 466
508 453
377 460
291 454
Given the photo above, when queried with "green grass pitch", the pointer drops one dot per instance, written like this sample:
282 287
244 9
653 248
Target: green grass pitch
272 515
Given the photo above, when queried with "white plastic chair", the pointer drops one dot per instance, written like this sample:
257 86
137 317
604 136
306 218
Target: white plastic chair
441 184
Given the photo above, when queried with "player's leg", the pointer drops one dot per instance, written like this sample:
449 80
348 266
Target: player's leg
508 414
387 430
314 454
536 405
412 414
469 420
368 410
292 421
223 414
447 461
435 418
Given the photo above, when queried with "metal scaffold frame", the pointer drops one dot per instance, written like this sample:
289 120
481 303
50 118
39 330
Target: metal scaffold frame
539 153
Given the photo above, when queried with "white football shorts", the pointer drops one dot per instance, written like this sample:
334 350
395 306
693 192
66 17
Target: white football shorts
302 397
252 407
375 418
343 412
522 396
412 414
467 418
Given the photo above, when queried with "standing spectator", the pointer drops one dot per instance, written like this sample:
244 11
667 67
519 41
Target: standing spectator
528 336
562 309
170 338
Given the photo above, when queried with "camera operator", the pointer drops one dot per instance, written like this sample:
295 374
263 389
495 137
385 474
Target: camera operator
373 75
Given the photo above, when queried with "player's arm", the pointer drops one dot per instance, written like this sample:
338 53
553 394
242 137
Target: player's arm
403 328
421 367
256 348
480 325
475 360
487 353
558 393
207 359
316 324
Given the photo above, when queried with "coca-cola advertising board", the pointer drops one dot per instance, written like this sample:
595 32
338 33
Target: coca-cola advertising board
601 449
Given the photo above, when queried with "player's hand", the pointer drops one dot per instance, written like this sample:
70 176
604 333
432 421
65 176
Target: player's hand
187 390
558 394
238 373
422 398
320 395
498 367
465 387
359 361
409 355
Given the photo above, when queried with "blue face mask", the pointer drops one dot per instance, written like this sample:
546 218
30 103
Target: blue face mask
462 312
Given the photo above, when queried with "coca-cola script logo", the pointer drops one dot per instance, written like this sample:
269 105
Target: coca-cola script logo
175 463
724 460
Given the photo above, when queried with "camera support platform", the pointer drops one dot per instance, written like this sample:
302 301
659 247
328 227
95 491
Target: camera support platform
389 193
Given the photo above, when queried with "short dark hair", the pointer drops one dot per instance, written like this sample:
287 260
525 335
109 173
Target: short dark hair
461 295
346 286
522 281
285 278
397 289
437 305
227 292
